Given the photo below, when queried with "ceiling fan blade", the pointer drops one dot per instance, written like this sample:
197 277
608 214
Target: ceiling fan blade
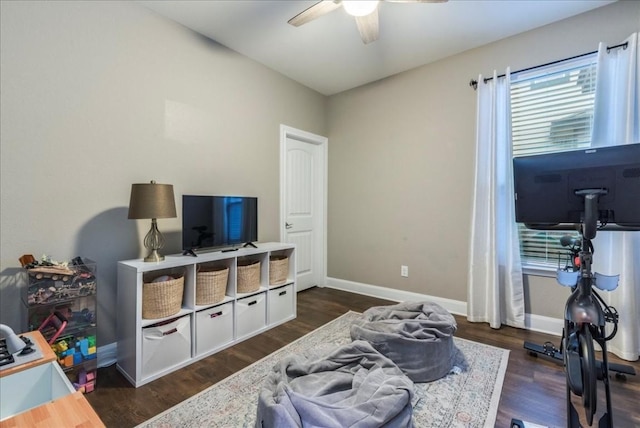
368 27
313 12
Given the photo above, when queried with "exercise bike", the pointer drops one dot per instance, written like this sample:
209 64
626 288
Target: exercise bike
586 315
585 319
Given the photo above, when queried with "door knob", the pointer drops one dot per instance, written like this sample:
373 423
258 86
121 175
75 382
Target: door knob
288 226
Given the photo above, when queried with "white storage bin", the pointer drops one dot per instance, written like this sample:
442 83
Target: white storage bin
214 327
252 315
165 345
280 303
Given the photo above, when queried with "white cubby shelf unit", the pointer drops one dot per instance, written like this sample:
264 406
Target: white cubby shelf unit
151 348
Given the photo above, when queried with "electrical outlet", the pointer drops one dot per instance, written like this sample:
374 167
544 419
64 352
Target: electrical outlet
404 271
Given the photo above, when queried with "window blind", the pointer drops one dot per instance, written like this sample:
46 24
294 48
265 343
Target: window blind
551 111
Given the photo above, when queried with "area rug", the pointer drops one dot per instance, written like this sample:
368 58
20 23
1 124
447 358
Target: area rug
466 397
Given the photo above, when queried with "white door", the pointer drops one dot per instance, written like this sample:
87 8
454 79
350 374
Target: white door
303 202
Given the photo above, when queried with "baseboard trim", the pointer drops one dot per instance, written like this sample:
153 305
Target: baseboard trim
454 306
108 354
532 322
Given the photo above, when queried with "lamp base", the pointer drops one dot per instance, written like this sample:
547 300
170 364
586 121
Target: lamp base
154 256
154 241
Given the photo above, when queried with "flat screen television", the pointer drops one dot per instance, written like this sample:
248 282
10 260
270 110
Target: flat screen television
551 189
218 221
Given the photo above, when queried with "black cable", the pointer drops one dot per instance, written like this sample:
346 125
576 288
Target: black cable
610 315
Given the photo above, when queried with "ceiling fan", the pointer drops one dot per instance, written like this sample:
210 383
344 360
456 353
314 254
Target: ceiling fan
365 13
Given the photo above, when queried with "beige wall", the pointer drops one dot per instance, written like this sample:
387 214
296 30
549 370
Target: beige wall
401 161
99 95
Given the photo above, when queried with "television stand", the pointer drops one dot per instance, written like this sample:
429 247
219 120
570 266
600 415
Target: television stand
190 252
151 348
249 244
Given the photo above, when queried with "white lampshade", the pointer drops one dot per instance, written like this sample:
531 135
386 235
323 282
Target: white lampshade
359 7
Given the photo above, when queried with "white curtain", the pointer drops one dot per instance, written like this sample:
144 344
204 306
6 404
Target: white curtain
495 286
617 121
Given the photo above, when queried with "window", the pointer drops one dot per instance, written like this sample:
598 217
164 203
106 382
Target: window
551 111
234 218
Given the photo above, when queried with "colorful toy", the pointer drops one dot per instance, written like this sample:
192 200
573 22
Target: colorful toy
55 320
72 351
86 382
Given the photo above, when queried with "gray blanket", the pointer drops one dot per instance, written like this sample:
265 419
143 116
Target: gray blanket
417 336
353 386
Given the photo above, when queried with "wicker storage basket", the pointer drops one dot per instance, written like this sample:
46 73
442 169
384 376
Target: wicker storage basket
162 299
278 269
211 284
248 276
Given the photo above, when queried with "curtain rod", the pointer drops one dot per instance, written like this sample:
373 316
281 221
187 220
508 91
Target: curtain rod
474 83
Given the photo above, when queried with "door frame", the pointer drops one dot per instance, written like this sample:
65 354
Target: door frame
321 176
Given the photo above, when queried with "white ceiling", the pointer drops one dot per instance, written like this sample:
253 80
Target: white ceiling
328 55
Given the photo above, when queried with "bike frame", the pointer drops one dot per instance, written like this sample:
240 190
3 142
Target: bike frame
585 322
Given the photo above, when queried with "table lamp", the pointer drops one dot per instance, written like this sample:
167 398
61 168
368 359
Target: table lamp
152 201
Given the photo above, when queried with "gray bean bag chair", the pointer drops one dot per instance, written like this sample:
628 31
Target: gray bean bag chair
353 386
417 336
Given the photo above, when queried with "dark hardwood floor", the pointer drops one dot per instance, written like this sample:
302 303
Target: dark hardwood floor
534 387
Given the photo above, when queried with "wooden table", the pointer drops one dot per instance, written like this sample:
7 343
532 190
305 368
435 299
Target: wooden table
72 410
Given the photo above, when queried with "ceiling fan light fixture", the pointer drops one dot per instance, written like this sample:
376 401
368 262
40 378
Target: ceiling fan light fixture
360 7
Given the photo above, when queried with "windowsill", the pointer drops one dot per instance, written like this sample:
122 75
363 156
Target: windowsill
539 270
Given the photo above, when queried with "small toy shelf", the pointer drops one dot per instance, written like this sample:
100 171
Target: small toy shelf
61 303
